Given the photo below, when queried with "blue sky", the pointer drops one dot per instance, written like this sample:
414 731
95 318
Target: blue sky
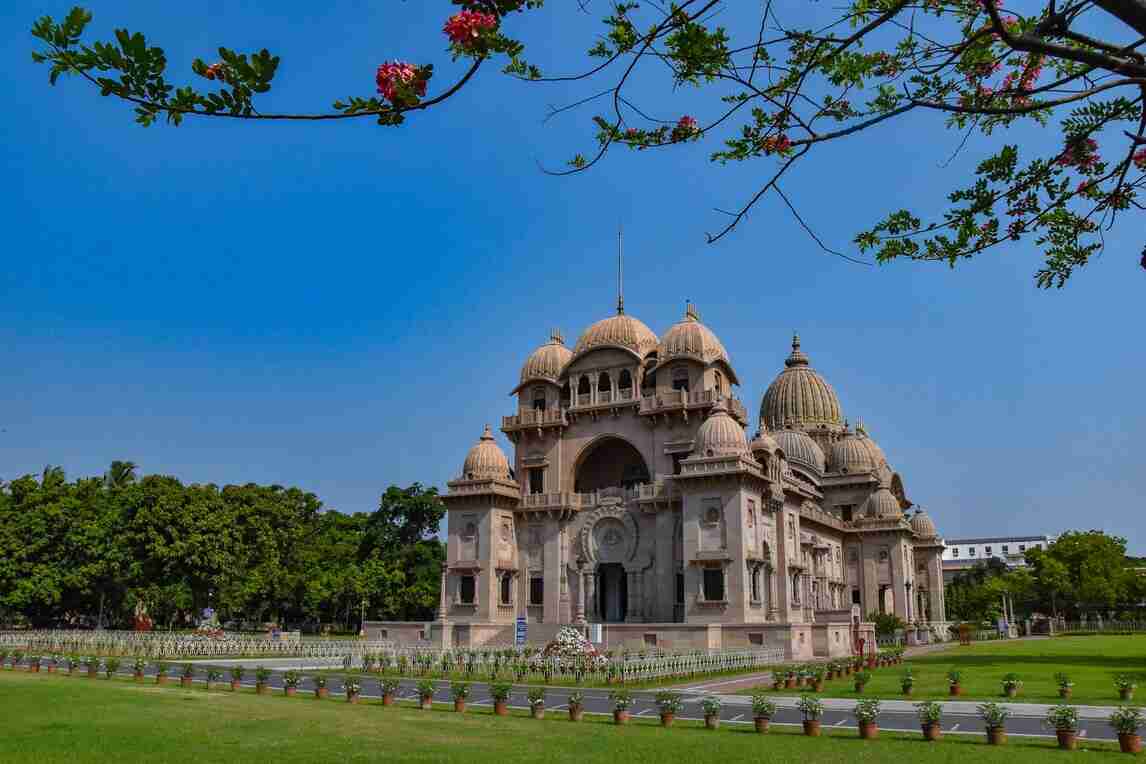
342 307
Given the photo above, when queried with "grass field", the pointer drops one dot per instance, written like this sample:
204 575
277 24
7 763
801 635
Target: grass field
1090 662
57 718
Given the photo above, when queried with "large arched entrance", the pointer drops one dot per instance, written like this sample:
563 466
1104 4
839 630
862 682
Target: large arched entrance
609 462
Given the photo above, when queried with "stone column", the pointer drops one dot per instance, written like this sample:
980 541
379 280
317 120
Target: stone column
443 602
579 616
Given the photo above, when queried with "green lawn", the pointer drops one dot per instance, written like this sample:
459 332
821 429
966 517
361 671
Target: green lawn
1090 662
59 718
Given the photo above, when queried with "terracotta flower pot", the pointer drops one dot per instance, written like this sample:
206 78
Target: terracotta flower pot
262 688
907 689
778 684
1011 692
34 668
459 706
620 717
51 668
761 724
186 681
351 697
831 675
161 679
322 692
501 707
93 673
388 699
235 685
425 702
138 676
790 683
537 712
576 713
996 736
812 727
956 689
847 670
1064 692
932 731
1126 694
859 687
290 692
711 721
868 730
818 687
1067 739
1129 742
666 719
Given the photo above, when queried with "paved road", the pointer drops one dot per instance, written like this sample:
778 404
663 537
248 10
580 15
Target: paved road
897 716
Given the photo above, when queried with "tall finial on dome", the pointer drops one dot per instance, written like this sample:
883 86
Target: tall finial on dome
556 337
690 313
797 358
620 273
487 433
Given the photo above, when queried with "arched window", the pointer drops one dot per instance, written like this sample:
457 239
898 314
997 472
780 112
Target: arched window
583 392
604 388
625 384
719 382
680 378
539 398
566 395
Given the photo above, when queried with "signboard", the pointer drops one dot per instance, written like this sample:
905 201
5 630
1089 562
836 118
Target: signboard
522 631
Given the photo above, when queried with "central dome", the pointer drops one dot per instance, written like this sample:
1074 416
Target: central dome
619 331
800 398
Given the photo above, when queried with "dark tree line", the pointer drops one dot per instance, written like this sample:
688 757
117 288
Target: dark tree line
100 550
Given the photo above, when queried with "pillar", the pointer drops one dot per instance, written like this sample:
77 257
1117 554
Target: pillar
579 615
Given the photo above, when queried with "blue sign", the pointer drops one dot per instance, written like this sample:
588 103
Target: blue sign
522 631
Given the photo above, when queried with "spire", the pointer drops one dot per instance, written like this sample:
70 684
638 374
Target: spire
487 434
797 358
556 337
690 313
620 274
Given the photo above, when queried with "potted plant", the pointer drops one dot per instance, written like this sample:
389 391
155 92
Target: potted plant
817 679
867 714
930 713
262 679
861 680
812 709
53 663
390 689
1065 686
576 705
536 697
213 676
763 709
669 703
17 658
500 692
73 664
1126 720
161 673
955 681
352 686
237 677
1126 687
291 681
425 688
789 679
906 682
111 666
92 663
995 719
187 675
1011 684
711 708
621 700
460 691
321 691
3 657
1064 720
34 663
137 668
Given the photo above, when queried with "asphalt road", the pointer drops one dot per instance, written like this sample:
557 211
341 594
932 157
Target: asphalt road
736 709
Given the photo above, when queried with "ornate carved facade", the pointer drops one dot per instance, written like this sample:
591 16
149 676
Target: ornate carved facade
634 499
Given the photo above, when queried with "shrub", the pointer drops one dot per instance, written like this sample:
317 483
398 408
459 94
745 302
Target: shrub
711 705
929 711
1012 680
576 698
161 668
907 680
111 666
319 681
954 676
994 715
669 702
810 707
237 673
866 711
1063 718
426 688
536 696
1063 681
459 690
621 699
1125 720
352 685
862 677
500 691
390 686
188 671
262 674
214 675
1125 682
762 706
292 679
138 665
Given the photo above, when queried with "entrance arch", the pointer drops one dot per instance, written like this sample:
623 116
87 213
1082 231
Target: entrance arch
609 462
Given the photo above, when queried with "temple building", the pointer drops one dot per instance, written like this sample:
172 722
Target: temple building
635 499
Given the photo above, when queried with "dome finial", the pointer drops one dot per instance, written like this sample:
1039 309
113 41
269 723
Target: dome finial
797 358
620 274
556 337
690 313
487 433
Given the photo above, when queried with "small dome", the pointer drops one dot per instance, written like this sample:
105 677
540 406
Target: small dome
720 434
486 460
799 397
801 451
547 362
855 453
923 526
764 442
619 331
876 452
881 504
689 338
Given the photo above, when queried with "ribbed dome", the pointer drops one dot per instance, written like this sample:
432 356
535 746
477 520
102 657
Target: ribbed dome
547 361
876 452
720 434
851 454
619 331
881 504
923 526
763 442
801 451
486 460
689 338
799 397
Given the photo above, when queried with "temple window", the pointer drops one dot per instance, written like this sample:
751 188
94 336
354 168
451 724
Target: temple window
566 395
718 382
537 480
680 378
536 590
507 589
714 584
604 386
625 383
539 398
467 588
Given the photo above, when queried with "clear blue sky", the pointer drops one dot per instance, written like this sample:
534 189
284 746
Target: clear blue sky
342 307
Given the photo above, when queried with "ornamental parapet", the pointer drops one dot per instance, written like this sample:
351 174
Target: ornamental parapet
560 500
684 401
602 399
818 515
552 417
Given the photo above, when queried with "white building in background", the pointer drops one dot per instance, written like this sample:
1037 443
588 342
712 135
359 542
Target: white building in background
960 555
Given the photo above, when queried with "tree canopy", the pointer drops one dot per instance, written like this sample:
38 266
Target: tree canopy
93 549
775 89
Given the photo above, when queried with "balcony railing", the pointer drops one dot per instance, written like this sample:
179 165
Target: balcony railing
684 399
553 417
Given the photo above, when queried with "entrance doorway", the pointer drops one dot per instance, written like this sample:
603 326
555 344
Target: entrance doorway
612 592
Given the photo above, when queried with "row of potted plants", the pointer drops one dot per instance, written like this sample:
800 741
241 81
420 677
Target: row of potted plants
813 675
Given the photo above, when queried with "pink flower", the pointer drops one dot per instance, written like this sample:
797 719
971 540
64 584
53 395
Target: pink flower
1140 159
687 123
392 76
1083 155
466 27
631 132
